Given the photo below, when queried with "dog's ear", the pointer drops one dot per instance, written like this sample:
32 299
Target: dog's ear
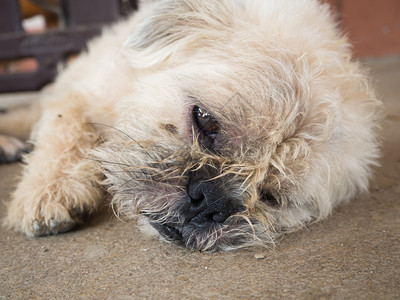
173 27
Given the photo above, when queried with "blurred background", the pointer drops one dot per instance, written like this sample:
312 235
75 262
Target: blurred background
373 26
36 35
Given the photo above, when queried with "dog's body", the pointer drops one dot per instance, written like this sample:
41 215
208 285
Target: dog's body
221 123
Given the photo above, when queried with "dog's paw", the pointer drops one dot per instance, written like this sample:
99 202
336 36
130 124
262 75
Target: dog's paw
42 228
11 149
42 218
54 194
41 206
62 221
53 227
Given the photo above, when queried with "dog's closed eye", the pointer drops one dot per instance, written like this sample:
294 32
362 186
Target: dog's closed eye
269 199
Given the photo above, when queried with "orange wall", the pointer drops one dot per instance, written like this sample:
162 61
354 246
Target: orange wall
373 26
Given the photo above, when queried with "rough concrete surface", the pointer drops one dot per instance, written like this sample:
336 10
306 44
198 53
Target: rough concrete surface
354 254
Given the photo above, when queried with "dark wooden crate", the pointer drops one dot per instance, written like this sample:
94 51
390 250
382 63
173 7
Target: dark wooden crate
83 20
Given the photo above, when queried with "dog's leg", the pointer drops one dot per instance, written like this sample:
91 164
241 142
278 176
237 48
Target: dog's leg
59 182
15 126
11 149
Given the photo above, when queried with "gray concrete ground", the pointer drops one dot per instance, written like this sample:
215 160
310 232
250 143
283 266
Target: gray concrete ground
352 255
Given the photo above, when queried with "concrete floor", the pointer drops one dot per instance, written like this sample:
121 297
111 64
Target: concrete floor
353 254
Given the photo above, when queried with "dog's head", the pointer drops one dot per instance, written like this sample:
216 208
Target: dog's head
246 118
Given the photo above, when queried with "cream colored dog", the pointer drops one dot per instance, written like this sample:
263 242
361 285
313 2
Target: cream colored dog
221 124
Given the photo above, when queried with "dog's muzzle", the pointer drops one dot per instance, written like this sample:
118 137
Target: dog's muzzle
207 203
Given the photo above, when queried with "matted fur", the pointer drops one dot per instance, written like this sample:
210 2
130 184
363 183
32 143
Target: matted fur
297 117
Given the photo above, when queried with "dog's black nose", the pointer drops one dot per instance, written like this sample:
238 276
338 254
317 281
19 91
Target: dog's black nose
207 204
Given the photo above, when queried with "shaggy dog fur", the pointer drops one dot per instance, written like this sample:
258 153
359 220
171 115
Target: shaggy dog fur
217 124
